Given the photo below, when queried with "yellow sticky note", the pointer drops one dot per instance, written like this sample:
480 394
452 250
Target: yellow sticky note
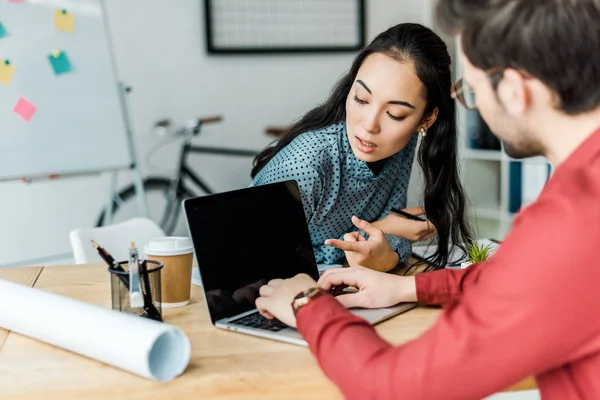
6 72
64 21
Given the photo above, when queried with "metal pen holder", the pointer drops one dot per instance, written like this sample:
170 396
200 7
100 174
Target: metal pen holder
150 286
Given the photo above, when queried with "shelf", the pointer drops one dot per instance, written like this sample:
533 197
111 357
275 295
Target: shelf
530 160
489 213
487 155
499 155
493 214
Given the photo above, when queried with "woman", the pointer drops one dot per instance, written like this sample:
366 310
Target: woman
352 155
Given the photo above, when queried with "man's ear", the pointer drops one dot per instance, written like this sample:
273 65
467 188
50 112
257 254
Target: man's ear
429 120
513 92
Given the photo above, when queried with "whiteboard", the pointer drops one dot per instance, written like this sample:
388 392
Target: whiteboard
78 125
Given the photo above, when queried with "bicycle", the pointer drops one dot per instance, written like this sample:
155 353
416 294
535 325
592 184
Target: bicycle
173 190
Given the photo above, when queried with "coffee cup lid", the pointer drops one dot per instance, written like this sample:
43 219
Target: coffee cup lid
169 246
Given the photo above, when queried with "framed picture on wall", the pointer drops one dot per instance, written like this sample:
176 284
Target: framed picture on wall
284 26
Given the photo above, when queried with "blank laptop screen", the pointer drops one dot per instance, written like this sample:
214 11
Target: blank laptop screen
245 238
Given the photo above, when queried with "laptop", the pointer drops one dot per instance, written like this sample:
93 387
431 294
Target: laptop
244 238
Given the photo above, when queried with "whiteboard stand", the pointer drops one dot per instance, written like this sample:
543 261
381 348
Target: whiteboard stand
112 192
138 180
141 194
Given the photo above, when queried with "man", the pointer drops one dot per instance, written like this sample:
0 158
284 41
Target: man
533 67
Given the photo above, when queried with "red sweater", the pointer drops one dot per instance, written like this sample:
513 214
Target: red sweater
533 309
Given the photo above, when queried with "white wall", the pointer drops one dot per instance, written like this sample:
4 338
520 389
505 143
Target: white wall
160 52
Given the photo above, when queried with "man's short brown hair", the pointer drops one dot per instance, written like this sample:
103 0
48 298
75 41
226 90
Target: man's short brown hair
556 41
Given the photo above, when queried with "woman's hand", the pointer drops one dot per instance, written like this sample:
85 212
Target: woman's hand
414 231
375 253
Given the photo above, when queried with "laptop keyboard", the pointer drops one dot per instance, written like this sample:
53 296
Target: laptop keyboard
256 320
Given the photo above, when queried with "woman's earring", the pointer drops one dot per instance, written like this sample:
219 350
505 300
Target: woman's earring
423 132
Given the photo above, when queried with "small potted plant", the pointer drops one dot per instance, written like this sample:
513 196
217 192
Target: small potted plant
476 252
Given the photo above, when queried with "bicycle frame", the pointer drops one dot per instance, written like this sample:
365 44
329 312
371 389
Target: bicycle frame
174 196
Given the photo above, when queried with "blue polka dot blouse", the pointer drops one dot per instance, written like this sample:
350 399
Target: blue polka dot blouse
335 185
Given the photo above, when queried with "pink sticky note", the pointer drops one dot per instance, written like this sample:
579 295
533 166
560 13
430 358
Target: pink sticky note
15 1
24 109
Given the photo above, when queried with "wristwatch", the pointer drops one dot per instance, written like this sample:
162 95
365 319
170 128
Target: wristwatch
306 297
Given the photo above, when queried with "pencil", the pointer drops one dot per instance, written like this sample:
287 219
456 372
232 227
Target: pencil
407 215
104 254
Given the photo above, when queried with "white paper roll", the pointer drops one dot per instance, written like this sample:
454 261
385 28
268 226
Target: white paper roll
144 347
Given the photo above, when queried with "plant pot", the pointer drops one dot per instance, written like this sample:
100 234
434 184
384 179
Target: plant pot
461 266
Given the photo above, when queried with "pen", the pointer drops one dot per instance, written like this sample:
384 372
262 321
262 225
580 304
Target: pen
407 215
149 307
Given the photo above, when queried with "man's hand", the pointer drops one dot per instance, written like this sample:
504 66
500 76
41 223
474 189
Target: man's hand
375 289
375 253
277 296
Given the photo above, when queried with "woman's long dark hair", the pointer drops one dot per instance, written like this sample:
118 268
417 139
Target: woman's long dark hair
444 197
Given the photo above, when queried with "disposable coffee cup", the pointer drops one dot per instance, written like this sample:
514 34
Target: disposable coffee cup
176 255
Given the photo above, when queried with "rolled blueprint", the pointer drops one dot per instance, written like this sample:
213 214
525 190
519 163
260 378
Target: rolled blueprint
144 347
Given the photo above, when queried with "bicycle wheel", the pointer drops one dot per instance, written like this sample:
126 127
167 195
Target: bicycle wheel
162 211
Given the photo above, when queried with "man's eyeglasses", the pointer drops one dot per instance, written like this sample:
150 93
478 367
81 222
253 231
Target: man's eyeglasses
465 95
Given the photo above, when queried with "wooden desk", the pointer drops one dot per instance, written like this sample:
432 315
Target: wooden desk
224 365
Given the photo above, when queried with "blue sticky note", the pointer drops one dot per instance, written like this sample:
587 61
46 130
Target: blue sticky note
60 62
3 31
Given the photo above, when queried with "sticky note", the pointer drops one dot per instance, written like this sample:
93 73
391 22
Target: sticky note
6 71
15 1
64 21
24 109
3 32
60 62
